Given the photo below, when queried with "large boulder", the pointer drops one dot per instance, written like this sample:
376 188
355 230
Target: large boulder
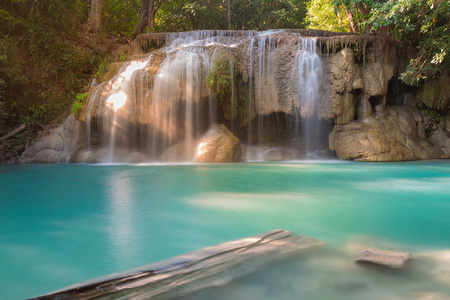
395 134
219 145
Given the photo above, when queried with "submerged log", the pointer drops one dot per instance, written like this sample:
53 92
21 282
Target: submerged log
184 274
12 133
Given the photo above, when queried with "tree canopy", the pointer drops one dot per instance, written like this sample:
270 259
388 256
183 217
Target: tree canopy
422 23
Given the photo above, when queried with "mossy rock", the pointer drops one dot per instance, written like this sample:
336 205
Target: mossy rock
434 94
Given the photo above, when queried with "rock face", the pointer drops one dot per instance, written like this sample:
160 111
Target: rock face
268 88
384 257
59 146
395 134
219 145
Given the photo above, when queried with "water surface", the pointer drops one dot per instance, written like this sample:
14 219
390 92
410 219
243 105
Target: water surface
61 224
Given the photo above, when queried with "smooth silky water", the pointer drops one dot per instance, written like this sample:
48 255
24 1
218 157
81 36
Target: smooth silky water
65 223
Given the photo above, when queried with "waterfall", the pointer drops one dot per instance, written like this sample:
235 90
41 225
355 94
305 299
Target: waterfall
309 69
164 100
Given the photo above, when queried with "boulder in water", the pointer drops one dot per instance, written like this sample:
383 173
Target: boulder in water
394 134
219 145
384 257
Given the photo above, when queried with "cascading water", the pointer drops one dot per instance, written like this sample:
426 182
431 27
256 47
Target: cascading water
165 100
309 67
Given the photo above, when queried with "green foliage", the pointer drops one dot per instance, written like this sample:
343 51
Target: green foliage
425 23
9 23
183 15
102 67
219 78
40 60
322 15
120 16
77 105
123 56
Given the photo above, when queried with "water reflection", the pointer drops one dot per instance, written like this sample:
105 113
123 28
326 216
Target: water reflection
120 229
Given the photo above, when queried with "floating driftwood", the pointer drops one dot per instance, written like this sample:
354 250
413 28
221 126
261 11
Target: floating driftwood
191 272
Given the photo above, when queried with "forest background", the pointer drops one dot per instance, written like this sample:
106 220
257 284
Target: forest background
50 50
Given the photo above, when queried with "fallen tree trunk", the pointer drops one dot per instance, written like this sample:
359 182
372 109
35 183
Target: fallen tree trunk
184 274
12 133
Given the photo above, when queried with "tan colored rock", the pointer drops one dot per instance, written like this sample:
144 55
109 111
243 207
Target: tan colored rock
348 110
219 145
180 152
358 84
59 146
343 70
441 138
391 135
384 257
361 142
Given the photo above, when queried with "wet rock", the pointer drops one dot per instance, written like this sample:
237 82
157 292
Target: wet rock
384 257
59 146
180 152
391 135
219 145
283 154
441 138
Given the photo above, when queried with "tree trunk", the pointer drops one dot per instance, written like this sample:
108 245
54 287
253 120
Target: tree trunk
95 16
151 18
229 14
142 21
351 22
147 15
363 9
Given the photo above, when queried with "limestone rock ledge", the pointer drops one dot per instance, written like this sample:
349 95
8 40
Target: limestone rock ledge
394 134
184 274
57 147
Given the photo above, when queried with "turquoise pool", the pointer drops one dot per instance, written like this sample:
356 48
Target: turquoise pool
65 223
